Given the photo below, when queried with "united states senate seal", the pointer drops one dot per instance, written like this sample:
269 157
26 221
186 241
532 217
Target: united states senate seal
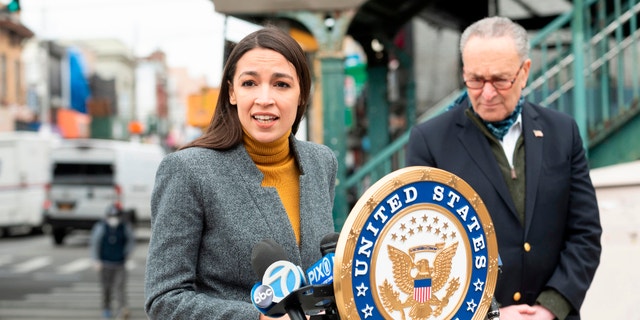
418 244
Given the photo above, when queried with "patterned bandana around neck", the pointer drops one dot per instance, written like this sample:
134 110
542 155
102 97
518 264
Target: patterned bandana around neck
500 128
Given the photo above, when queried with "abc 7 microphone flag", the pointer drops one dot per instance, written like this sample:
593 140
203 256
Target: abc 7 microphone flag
280 280
280 277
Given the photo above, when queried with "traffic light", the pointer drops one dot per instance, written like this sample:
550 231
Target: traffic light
13 6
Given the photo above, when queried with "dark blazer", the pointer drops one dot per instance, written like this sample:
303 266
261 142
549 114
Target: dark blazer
562 224
209 210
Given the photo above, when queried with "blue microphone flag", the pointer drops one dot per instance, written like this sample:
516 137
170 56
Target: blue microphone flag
321 272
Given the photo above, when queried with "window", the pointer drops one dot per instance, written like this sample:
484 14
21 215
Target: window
3 78
18 80
83 173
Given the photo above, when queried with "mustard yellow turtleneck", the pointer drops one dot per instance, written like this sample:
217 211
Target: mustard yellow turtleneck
278 165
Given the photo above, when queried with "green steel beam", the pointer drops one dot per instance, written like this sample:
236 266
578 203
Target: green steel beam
334 131
579 92
377 112
331 60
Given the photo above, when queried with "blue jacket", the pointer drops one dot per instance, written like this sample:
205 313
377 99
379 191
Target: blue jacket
97 236
562 223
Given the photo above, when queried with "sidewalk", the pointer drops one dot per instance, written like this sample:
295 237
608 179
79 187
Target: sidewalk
615 291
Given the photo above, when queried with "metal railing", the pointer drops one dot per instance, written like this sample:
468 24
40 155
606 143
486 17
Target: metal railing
605 63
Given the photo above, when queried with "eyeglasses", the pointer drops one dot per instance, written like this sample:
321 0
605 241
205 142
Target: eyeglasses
499 84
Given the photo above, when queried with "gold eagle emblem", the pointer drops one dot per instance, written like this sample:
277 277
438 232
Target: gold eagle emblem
407 268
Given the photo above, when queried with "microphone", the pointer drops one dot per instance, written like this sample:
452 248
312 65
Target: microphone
280 277
329 242
320 276
263 254
494 308
321 272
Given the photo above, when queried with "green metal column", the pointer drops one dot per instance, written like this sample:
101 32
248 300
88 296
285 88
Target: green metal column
579 91
410 94
334 133
597 115
331 59
377 113
406 63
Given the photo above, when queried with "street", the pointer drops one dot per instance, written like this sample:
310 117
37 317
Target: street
39 280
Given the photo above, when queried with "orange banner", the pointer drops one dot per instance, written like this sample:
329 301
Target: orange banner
201 106
73 124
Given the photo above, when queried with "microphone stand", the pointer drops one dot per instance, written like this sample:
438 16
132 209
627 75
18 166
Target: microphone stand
296 314
494 308
317 300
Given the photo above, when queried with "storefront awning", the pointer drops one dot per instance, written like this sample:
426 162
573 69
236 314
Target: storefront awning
7 23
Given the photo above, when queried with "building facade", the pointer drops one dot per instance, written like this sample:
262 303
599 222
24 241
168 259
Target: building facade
13 109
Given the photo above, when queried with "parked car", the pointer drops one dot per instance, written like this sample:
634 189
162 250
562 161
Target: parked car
24 175
89 175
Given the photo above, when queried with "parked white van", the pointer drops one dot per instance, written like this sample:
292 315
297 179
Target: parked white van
90 175
24 174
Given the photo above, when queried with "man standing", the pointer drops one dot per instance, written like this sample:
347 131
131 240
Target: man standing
112 242
528 165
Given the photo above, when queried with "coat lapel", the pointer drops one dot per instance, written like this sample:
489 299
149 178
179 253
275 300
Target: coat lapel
479 150
266 200
533 143
307 218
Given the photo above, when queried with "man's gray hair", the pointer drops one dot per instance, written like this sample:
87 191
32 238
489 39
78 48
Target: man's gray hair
493 27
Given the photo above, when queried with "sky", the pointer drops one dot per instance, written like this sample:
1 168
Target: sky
190 32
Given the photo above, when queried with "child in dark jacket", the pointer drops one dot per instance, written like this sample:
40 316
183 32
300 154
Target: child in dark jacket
112 242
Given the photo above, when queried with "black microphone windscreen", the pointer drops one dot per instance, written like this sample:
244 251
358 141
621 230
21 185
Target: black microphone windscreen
264 253
329 242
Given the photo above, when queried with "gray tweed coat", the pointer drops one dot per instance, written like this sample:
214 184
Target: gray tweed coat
208 211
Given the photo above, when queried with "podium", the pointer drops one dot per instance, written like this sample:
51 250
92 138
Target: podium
418 244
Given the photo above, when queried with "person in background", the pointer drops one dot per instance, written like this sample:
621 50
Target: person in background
247 178
112 242
528 165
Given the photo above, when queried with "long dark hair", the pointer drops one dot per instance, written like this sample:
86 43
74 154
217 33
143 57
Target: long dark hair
225 130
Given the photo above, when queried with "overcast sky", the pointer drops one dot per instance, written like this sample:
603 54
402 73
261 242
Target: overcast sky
190 32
